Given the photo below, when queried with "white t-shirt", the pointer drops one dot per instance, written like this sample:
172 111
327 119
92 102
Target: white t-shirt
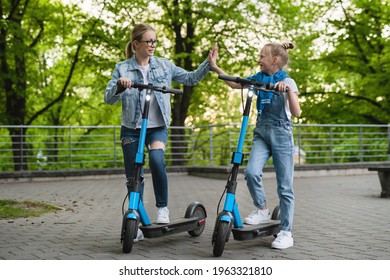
155 118
291 84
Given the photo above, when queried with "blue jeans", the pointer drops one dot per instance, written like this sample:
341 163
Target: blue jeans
130 140
273 138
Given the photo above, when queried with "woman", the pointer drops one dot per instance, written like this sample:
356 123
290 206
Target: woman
141 66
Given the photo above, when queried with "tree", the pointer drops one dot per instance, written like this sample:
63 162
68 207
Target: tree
349 81
43 52
15 46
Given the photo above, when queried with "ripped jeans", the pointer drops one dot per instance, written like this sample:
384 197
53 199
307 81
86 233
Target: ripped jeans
130 140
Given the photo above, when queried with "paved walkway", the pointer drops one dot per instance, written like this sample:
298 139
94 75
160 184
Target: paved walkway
336 218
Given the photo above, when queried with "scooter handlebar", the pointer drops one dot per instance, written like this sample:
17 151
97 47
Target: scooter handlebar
160 89
244 82
247 82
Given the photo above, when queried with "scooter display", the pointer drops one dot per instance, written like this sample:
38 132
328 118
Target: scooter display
229 220
194 220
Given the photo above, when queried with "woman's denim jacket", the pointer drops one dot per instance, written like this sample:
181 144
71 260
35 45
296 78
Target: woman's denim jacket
162 73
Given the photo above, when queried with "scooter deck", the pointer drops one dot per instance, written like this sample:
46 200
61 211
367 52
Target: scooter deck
249 232
181 225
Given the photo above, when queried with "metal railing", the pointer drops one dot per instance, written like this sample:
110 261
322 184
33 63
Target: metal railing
94 147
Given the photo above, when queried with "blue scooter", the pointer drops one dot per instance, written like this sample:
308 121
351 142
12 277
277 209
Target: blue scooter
194 220
229 219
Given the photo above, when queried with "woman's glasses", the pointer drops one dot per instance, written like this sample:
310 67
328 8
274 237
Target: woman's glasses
150 43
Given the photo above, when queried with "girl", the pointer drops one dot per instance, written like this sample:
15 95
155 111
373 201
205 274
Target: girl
272 136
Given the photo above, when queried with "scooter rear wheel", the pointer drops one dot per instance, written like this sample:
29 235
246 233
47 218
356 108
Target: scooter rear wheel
129 235
200 213
276 213
221 236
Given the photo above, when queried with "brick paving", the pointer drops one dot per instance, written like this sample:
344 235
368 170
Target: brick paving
337 217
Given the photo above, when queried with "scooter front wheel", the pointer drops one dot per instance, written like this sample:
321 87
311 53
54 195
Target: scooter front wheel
221 237
129 234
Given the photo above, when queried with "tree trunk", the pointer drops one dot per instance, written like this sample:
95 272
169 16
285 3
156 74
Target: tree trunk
14 85
181 103
19 149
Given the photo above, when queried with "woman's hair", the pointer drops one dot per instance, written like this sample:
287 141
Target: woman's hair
280 50
136 34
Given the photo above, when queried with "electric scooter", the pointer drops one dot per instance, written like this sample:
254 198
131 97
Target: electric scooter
229 219
194 220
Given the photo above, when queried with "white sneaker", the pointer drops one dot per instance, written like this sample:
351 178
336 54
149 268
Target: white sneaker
140 236
162 215
283 240
258 217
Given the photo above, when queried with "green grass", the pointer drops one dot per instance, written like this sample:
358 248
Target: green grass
12 209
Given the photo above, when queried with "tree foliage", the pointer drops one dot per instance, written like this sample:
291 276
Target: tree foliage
348 80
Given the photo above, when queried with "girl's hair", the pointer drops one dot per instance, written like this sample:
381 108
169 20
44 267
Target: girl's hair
280 50
136 34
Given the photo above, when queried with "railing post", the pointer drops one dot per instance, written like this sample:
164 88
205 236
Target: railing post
388 141
230 141
211 145
299 144
331 143
114 146
70 148
193 146
21 148
361 143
